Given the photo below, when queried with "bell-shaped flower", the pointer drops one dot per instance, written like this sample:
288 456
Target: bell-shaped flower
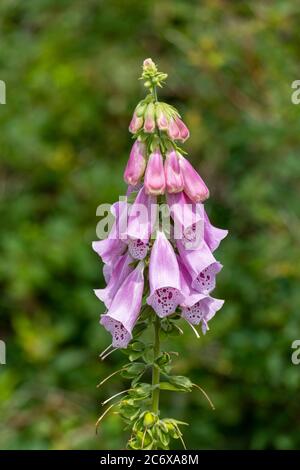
201 265
114 245
174 178
164 277
117 275
188 220
213 235
141 221
196 308
154 180
194 185
125 308
136 164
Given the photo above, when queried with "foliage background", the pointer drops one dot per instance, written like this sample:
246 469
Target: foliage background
71 70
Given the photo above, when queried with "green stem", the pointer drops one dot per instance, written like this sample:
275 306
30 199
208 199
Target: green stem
155 369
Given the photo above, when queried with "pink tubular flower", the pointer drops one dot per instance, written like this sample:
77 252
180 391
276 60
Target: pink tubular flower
213 235
154 180
174 179
196 308
173 130
194 185
125 308
136 123
113 246
183 130
149 124
141 220
188 220
118 274
201 265
136 163
164 278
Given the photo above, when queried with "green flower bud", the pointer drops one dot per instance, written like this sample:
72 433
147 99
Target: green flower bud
149 419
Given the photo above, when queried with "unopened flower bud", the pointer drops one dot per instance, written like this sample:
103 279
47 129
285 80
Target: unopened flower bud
174 178
154 180
161 117
183 130
173 130
136 163
149 419
194 185
135 124
149 66
149 124
140 109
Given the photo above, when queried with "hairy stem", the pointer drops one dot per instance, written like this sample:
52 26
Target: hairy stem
155 369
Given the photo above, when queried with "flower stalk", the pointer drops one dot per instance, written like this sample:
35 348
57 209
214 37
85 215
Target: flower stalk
155 367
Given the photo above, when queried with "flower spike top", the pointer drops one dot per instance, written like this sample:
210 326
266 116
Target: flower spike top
161 268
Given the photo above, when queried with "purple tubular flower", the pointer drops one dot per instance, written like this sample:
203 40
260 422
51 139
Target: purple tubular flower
136 164
188 219
194 185
164 277
202 311
201 265
125 308
154 180
174 179
141 220
118 274
213 235
113 246
196 307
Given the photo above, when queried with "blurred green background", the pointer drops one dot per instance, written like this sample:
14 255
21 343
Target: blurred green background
71 69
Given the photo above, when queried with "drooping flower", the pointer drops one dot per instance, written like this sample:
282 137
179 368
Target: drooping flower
173 175
164 277
196 308
118 274
136 123
184 133
149 124
194 185
188 220
213 235
136 164
141 220
125 308
114 245
201 265
154 180
173 129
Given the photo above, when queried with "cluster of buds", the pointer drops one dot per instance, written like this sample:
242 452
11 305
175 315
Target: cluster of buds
149 116
155 277
170 175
